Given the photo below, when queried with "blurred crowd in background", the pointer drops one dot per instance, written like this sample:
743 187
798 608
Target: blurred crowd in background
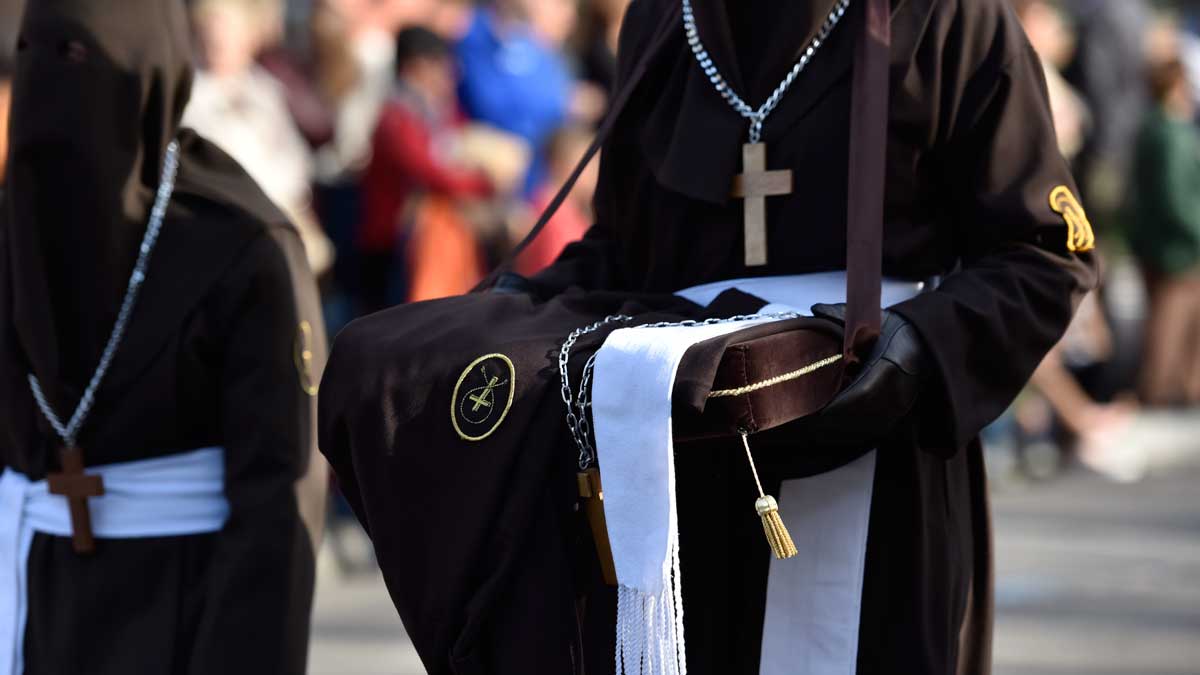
413 142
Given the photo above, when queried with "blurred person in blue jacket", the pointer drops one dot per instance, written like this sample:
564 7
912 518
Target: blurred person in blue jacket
514 73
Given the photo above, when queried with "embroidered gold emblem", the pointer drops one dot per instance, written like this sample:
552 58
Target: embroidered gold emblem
303 355
1080 236
483 396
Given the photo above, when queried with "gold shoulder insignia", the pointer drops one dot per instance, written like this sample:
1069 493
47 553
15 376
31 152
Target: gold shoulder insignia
1080 237
482 397
303 355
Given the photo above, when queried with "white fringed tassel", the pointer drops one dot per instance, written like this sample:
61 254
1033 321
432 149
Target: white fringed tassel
650 627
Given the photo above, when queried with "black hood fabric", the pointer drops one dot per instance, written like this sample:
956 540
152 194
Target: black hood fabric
98 92
772 35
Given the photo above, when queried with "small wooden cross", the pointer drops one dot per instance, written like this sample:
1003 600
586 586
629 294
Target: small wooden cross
754 185
77 486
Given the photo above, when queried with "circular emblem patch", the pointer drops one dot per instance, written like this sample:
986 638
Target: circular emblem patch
482 397
302 353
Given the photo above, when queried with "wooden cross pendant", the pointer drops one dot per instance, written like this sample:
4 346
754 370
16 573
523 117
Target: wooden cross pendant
77 486
754 185
592 494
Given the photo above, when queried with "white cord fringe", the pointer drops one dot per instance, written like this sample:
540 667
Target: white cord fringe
650 627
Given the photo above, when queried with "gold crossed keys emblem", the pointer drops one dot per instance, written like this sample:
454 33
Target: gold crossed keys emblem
483 396
1080 237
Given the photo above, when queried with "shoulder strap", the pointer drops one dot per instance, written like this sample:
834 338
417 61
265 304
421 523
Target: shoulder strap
868 157
622 97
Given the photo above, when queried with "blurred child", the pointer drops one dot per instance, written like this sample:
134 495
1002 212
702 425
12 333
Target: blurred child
1166 237
412 155
574 217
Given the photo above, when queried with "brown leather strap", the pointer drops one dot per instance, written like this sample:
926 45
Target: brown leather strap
665 30
868 157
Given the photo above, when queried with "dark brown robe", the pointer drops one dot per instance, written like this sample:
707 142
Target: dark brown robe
213 355
972 164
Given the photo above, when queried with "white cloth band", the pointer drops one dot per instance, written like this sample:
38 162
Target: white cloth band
167 496
631 407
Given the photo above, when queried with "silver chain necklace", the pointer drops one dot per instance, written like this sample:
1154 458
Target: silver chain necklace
757 117
579 403
70 431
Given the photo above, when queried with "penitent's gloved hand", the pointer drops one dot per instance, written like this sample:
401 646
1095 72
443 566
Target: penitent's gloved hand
885 387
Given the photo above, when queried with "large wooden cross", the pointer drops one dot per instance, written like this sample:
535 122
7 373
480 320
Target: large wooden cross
754 185
77 486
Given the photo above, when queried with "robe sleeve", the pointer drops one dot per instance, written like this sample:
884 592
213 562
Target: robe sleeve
262 568
1017 283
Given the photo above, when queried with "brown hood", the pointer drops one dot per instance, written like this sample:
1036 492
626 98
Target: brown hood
98 92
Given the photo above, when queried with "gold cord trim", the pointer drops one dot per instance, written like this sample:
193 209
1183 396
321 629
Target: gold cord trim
779 379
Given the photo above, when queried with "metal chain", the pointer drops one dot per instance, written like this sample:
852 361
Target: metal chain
70 431
579 404
757 117
587 454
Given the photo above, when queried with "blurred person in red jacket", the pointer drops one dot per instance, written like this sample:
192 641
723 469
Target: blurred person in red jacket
412 154
354 42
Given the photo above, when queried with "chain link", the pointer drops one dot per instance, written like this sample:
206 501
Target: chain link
579 404
757 117
69 431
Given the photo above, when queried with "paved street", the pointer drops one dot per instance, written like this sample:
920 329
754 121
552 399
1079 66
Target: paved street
1095 578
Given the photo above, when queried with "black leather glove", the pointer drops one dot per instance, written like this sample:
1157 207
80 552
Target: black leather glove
884 388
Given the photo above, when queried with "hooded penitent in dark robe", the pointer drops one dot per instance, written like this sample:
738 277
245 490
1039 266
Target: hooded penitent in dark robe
476 537
222 350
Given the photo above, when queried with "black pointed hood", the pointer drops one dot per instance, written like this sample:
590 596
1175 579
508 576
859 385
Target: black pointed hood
98 92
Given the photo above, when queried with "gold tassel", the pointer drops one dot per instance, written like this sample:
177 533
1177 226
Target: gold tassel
777 535
768 509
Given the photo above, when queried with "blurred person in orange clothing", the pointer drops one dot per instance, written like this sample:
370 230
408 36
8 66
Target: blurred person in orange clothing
573 218
5 100
10 13
412 155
